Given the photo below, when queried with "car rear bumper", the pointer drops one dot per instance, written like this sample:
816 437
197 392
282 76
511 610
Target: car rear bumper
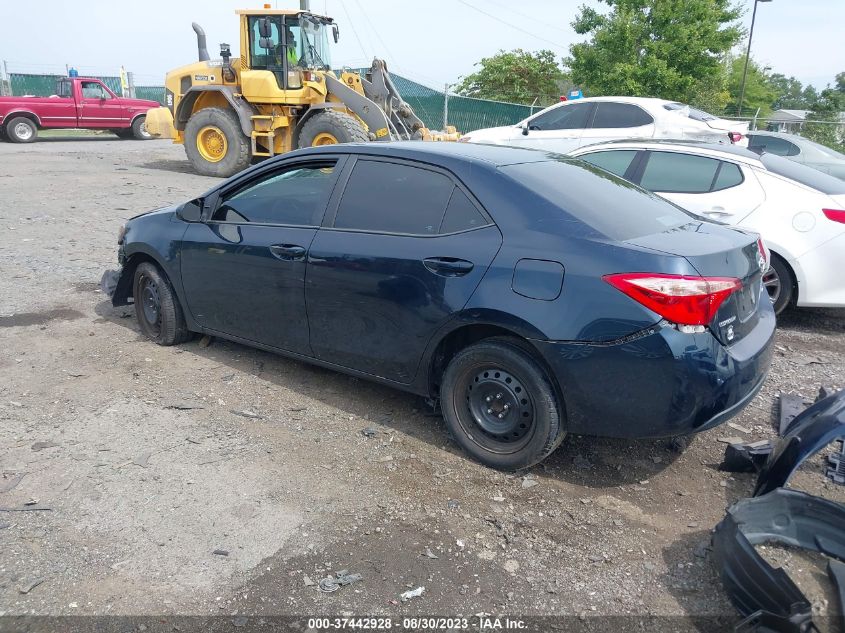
663 383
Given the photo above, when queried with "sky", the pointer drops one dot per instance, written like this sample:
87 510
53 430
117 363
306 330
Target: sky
433 42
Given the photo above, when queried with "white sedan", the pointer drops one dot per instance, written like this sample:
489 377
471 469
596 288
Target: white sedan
568 125
800 212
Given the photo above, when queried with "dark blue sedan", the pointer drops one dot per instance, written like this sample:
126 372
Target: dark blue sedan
531 295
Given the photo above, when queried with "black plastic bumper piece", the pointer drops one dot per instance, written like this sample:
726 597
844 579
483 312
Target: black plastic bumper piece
767 598
812 430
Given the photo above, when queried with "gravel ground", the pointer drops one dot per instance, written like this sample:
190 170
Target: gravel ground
222 480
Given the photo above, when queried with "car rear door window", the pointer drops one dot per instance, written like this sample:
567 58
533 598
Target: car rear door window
729 176
772 144
294 196
461 214
566 117
673 172
615 161
393 198
614 115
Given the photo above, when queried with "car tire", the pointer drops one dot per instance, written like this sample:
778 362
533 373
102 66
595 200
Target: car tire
780 284
157 308
498 377
139 129
21 130
215 144
330 127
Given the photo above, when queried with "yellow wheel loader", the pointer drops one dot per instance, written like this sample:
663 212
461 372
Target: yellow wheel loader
279 95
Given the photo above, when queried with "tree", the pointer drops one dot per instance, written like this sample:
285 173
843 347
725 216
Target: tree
661 48
825 123
760 92
792 95
516 76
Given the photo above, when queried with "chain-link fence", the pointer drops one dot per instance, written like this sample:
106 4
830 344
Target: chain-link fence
436 108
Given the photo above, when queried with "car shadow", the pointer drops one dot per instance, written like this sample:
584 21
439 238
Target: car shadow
580 460
176 166
93 138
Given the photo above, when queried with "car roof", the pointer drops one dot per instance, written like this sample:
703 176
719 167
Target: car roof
700 147
435 151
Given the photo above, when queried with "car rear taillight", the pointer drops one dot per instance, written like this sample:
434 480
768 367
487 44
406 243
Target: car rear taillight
837 215
735 137
677 298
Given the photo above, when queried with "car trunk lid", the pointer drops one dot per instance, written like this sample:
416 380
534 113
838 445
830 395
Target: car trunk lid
718 251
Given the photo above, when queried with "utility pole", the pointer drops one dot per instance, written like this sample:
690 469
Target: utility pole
747 56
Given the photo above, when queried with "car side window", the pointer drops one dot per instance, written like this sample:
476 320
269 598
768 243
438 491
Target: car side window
729 176
93 90
673 172
615 161
772 145
571 116
610 115
292 196
393 198
461 214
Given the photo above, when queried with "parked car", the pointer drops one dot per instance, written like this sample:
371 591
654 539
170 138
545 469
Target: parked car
79 102
530 294
566 126
799 211
799 149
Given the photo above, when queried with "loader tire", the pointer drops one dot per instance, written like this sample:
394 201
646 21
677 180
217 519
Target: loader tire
329 127
215 144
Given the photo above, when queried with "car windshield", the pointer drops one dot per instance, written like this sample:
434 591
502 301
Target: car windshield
802 174
610 205
693 113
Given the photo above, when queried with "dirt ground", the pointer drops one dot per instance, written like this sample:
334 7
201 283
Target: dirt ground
225 480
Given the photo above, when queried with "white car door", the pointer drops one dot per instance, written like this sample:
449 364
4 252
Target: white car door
556 129
614 120
709 187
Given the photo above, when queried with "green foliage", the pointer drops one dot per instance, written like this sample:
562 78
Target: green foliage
662 48
827 111
516 76
760 92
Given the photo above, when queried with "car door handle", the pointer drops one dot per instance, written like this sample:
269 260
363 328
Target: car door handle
288 251
448 266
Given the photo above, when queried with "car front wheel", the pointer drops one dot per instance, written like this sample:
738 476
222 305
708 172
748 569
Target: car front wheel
157 307
500 406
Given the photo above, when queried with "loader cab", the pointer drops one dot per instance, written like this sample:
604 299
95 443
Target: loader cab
286 44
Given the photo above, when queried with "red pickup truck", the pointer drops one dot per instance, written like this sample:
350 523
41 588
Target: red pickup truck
79 102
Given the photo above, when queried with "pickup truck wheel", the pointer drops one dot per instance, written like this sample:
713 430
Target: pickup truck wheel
157 307
500 406
21 130
215 144
139 129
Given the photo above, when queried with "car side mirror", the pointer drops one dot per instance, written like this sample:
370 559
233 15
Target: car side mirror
525 129
191 211
264 29
335 33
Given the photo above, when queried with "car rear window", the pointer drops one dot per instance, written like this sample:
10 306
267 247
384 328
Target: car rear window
804 175
611 206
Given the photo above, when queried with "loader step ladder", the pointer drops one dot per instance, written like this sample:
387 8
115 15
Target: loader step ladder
262 128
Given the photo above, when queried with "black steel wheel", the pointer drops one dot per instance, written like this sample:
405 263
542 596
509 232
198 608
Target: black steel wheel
779 283
500 406
157 307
